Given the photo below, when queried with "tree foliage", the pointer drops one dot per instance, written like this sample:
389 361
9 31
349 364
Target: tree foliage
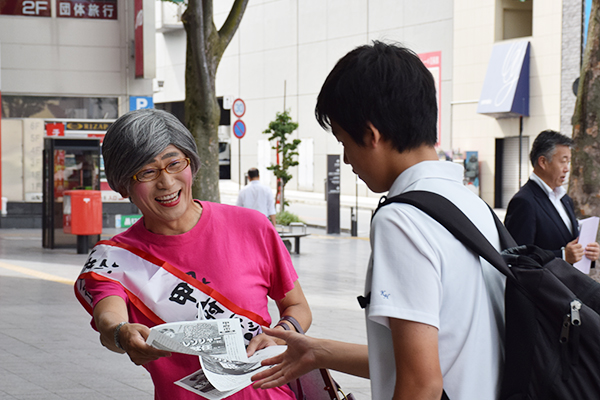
204 48
280 130
584 180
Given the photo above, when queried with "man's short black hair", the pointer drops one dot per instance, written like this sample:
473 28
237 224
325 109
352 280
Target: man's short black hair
545 145
387 85
253 173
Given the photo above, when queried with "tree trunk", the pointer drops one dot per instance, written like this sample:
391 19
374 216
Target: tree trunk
584 181
282 198
205 47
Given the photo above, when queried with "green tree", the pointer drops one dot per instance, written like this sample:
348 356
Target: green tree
280 129
584 180
204 48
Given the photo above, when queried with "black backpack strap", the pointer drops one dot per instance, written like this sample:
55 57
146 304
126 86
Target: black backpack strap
456 222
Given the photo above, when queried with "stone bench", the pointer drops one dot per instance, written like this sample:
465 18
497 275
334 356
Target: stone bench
294 230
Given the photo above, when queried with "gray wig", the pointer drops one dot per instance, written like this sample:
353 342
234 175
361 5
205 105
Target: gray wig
136 138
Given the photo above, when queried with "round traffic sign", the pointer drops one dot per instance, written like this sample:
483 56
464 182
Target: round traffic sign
239 108
239 129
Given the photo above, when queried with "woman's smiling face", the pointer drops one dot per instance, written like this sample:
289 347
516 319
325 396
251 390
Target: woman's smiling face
166 202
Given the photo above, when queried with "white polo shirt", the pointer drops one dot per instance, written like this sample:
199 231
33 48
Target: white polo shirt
420 272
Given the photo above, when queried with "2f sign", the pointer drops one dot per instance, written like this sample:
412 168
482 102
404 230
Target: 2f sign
35 7
139 102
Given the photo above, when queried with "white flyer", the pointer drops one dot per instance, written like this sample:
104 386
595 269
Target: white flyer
227 375
588 228
217 337
198 383
226 369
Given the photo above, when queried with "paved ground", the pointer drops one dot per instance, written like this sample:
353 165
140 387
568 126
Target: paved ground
49 351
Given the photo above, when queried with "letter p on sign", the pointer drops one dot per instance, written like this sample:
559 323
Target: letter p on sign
139 102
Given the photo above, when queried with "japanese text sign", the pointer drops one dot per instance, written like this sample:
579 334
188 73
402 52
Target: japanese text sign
28 8
94 9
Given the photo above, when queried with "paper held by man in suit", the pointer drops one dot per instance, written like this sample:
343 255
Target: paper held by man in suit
588 228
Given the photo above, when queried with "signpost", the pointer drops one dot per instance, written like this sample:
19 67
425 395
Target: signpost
239 108
239 130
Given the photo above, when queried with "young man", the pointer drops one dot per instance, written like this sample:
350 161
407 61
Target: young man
435 319
541 212
257 196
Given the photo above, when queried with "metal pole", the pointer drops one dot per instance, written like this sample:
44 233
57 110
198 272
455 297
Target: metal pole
353 214
520 148
240 163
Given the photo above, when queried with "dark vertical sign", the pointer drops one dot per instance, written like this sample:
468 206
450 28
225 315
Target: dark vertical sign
333 193
139 38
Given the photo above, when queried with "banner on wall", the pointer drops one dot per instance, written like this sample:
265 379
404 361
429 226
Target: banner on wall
2 210
471 179
144 37
138 29
505 91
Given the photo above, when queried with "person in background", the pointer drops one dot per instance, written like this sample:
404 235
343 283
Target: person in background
177 263
257 196
541 212
435 318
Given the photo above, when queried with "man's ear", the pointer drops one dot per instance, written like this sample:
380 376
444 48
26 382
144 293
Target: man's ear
372 135
542 162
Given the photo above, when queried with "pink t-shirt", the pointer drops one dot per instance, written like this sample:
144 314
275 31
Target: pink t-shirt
231 249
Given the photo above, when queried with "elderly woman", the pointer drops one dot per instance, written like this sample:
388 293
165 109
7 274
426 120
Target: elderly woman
185 258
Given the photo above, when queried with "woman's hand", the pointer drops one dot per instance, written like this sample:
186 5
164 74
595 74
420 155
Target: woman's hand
132 338
108 314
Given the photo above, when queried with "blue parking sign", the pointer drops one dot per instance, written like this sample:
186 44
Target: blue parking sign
139 102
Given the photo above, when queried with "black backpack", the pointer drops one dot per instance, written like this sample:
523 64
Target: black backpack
552 336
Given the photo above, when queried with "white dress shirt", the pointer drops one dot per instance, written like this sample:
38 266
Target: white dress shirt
554 196
258 197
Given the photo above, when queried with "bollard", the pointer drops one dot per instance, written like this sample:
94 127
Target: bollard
353 223
83 244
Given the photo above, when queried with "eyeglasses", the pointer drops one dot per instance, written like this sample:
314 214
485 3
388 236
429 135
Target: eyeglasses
174 167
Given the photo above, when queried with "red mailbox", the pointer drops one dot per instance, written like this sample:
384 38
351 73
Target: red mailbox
82 212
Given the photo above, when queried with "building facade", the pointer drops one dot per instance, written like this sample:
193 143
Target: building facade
284 49
553 30
68 68
279 59
75 67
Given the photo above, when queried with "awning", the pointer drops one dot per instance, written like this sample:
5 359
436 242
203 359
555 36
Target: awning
505 92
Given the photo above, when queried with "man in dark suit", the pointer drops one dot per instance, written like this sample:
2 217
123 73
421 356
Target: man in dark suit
541 212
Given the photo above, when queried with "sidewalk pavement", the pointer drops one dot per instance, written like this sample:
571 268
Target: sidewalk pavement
49 351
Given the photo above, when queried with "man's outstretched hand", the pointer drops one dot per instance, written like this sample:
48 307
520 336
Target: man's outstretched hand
299 359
